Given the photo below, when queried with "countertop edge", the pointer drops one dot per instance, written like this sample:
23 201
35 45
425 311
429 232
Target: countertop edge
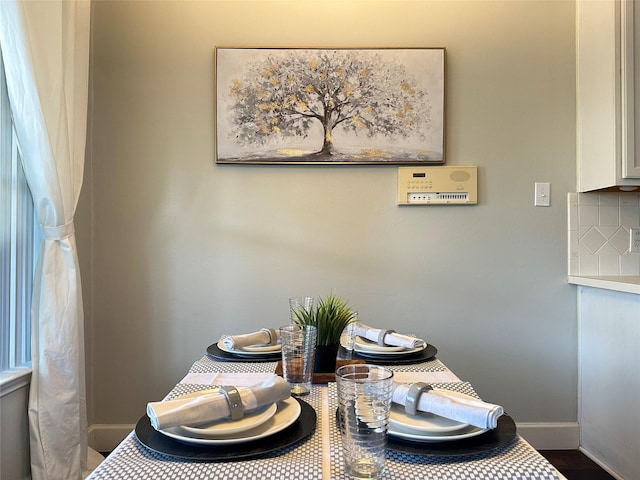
624 283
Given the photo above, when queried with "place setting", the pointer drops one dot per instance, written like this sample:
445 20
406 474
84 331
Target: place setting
421 419
227 423
430 420
386 346
263 345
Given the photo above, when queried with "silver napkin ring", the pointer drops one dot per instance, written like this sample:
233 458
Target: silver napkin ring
382 334
273 335
417 389
235 402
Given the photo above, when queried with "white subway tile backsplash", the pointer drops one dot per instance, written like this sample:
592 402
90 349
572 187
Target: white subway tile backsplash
606 199
588 214
608 230
609 249
573 211
588 265
609 264
609 215
620 240
629 215
593 240
598 225
573 264
628 200
588 199
630 264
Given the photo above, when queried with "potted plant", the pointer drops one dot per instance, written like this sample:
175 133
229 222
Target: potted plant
330 316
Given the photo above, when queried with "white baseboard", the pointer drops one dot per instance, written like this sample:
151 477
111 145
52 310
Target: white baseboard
542 436
551 436
600 463
105 437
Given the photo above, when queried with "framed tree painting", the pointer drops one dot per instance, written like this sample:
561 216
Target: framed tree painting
329 106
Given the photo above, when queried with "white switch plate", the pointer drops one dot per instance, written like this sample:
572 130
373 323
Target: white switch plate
542 194
634 240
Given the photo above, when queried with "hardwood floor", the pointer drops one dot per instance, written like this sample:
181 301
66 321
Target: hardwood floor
575 465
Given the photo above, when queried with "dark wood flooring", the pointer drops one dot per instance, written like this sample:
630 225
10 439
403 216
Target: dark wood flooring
575 465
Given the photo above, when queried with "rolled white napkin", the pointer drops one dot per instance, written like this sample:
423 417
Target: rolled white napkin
464 410
261 337
391 339
214 406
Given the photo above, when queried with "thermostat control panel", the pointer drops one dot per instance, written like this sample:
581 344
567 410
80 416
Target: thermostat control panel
443 185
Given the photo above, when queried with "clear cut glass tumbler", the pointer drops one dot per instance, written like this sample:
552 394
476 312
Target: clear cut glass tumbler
297 304
349 335
364 395
298 343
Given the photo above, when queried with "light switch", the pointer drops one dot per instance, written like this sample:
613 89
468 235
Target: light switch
542 194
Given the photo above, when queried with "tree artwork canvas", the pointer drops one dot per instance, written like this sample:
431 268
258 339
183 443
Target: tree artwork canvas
344 106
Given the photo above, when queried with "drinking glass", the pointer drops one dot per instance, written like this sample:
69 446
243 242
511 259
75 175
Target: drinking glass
298 343
349 335
364 395
297 304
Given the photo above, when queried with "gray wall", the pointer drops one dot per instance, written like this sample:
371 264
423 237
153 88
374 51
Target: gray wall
14 435
177 250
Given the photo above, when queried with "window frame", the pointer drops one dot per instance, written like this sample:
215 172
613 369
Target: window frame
19 241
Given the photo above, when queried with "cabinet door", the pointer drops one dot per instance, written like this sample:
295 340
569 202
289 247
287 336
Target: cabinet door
630 52
598 95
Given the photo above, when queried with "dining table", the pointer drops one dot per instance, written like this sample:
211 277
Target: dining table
317 451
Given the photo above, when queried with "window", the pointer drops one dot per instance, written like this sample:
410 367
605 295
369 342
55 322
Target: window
19 236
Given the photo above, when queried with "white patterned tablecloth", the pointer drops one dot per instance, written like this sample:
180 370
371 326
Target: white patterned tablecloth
133 461
319 456
515 461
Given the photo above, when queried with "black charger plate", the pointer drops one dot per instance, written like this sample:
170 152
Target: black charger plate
219 354
159 443
423 355
491 440
485 443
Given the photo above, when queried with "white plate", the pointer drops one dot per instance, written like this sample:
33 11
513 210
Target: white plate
424 422
250 349
383 353
416 437
225 427
264 348
287 412
368 348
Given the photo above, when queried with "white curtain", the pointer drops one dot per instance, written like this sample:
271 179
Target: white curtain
45 45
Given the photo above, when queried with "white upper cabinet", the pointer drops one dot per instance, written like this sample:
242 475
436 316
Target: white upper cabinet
608 111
